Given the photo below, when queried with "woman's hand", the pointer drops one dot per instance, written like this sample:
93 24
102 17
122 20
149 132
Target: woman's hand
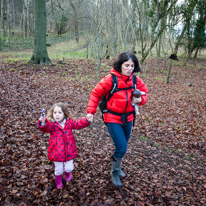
136 100
42 119
90 117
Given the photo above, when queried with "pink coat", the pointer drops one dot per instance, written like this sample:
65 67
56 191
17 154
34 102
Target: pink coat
62 144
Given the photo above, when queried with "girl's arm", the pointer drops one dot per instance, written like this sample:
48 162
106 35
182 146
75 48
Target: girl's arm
79 123
46 128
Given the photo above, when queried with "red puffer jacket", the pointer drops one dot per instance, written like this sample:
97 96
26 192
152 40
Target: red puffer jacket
120 101
62 144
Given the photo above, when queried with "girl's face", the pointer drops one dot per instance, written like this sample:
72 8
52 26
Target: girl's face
127 68
58 114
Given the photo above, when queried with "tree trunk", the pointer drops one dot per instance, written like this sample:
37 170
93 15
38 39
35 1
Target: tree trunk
170 43
4 19
23 19
151 46
13 18
123 36
1 24
114 28
179 40
40 55
141 25
76 31
196 52
168 75
158 60
132 26
76 23
27 17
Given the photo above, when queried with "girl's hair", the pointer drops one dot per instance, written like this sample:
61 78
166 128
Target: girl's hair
123 57
64 108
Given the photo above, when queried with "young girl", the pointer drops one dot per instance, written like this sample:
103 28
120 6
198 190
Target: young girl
62 146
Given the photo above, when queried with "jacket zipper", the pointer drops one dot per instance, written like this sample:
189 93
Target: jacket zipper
65 148
64 137
126 97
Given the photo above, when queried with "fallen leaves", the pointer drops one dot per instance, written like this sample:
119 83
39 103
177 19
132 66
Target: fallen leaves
164 163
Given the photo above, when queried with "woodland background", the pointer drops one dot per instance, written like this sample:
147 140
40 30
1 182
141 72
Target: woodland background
166 158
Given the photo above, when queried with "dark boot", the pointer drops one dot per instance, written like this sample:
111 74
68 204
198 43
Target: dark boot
58 180
116 171
121 173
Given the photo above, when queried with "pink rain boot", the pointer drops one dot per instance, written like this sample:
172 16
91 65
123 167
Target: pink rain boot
68 176
58 180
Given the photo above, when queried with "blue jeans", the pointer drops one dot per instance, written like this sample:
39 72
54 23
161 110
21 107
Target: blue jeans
120 135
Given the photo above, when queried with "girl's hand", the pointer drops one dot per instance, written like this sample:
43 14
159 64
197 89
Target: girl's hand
90 117
42 119
136 100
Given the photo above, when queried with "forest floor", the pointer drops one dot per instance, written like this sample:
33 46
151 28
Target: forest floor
166 158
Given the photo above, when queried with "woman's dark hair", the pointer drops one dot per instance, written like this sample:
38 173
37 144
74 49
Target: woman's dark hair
123 57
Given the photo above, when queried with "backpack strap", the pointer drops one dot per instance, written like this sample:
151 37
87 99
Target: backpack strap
115 89
134 80
114 86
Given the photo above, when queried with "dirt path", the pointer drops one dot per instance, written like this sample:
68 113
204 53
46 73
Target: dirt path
83 47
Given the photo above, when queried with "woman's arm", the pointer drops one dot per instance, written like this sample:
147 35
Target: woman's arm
143 88
101 89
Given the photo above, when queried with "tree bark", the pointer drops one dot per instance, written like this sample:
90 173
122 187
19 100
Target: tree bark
27 18
1 24
179 40
168 75
13 18
114 28
40 55
76 23
4 17
196 52
151 46
23 19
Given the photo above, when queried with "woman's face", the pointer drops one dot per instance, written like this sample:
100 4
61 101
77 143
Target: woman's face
127 68
58 114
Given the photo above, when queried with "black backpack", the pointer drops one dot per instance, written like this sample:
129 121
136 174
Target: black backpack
103 103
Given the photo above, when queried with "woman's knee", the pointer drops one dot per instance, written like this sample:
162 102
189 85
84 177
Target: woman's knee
121 151
124 150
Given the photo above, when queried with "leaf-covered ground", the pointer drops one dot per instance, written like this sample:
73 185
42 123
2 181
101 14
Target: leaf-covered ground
166 158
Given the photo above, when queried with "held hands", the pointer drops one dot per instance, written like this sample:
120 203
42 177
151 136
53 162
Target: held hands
90 117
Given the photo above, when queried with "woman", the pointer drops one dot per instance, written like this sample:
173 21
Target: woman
120 110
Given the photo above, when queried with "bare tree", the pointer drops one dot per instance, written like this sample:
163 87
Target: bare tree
1 24
40 55
25 18
155 32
